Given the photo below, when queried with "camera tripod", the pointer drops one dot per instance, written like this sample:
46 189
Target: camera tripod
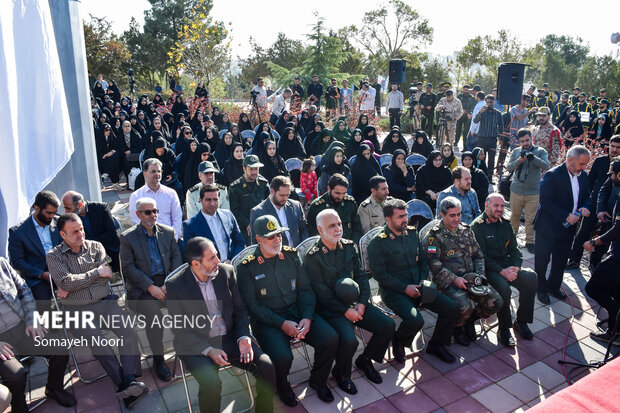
442 131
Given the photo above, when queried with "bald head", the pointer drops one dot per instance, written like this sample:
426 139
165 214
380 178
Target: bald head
329 225
73 202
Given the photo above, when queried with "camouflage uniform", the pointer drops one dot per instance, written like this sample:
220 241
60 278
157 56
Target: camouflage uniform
453 254
454 109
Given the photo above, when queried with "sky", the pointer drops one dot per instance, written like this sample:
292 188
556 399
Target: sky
453 22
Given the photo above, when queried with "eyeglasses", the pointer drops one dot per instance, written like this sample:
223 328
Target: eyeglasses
279 235
148 212
187 133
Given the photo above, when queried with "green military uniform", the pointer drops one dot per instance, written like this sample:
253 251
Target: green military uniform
275 290
347 211
396 262
499 245
428 99
541 101
452 254
324 268
462 125
243 197
559 109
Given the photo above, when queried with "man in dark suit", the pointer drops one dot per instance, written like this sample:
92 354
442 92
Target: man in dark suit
289 212
98 222
149 253
216 224
563 199
207 289
31 240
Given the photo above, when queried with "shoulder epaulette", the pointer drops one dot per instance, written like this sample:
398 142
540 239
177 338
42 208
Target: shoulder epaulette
319 201
349 198
382 235
410 227
346 241
365 202
195 187
478 220
249 258
236 181
220 186
313 250
290 249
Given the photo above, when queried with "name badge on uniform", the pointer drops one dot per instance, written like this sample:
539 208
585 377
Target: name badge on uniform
259 277
431 249
450 253
263 291
293 284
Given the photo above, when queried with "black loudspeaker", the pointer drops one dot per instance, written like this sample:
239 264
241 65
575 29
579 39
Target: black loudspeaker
398 71
510 83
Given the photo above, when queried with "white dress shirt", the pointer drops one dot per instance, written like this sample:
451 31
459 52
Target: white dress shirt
574 183
170 212
219 233
283 222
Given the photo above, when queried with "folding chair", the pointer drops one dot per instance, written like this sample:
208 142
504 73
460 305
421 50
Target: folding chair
183 375
386 159
75 361
418 208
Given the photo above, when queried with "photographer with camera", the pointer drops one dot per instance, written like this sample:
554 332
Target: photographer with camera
280 104
491 125
395 104
259 93
527 162
452 109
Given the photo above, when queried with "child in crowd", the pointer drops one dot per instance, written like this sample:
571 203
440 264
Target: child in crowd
308 181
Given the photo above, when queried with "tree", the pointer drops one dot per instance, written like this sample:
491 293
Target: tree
143 60
201 50
162 24
254 66
105 52
489 52
392 28
325 54
572 49
435 72
598 72
286 52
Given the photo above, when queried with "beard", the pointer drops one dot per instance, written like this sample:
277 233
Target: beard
41 217
273 250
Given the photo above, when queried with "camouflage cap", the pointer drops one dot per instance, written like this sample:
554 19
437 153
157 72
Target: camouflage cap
544 111
267 226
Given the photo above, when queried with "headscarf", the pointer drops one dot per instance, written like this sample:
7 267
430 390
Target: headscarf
361 125
186 156
311 136
575 128
341 135
370 134
477 162
448 160
167 159
425 148
272 165
247 125
233 168
361 171
430 177
190 176
281 122
351 147
330 166
479 180
394 173
223 151
319 145
306 122
291 148
217 119
258 144
389 146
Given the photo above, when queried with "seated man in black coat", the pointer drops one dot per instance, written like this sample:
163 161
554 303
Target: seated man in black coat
208 288
98 223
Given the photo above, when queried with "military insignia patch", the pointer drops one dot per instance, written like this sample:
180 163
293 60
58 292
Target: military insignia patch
271 225
280 255
450 253
245 185
392 236
263 291
431 239
293 284
325 250
432 249
261 260
382 236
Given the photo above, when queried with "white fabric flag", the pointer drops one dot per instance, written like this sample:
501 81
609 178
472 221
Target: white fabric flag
36 140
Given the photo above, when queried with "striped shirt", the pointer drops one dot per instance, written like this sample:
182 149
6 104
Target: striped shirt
491 123
77 273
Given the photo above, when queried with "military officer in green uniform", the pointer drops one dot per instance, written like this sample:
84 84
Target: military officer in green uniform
427 108
247 191
281 304
561 107
462 125
336 198
400 267
502 261
457 264
343 299
542 100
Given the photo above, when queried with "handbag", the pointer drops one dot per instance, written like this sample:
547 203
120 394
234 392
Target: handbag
131 179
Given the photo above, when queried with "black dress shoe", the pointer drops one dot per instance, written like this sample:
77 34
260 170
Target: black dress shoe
62 396
288 396
365 364
470 328
505 337
438 350
544 298
346 384
162 371
531 248
460 337
398 349
558 294
131 400
523 330
324 393
572 265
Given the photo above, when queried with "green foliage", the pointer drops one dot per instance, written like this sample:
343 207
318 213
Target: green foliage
435 72
105 52
598 72
490 51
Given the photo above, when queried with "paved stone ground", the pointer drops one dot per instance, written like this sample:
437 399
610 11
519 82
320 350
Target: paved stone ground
486 377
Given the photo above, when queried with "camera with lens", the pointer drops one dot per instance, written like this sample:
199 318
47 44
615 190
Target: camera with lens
254 95
528 154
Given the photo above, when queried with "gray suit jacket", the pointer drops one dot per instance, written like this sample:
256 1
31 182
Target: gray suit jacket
296 221
135 258
15 292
